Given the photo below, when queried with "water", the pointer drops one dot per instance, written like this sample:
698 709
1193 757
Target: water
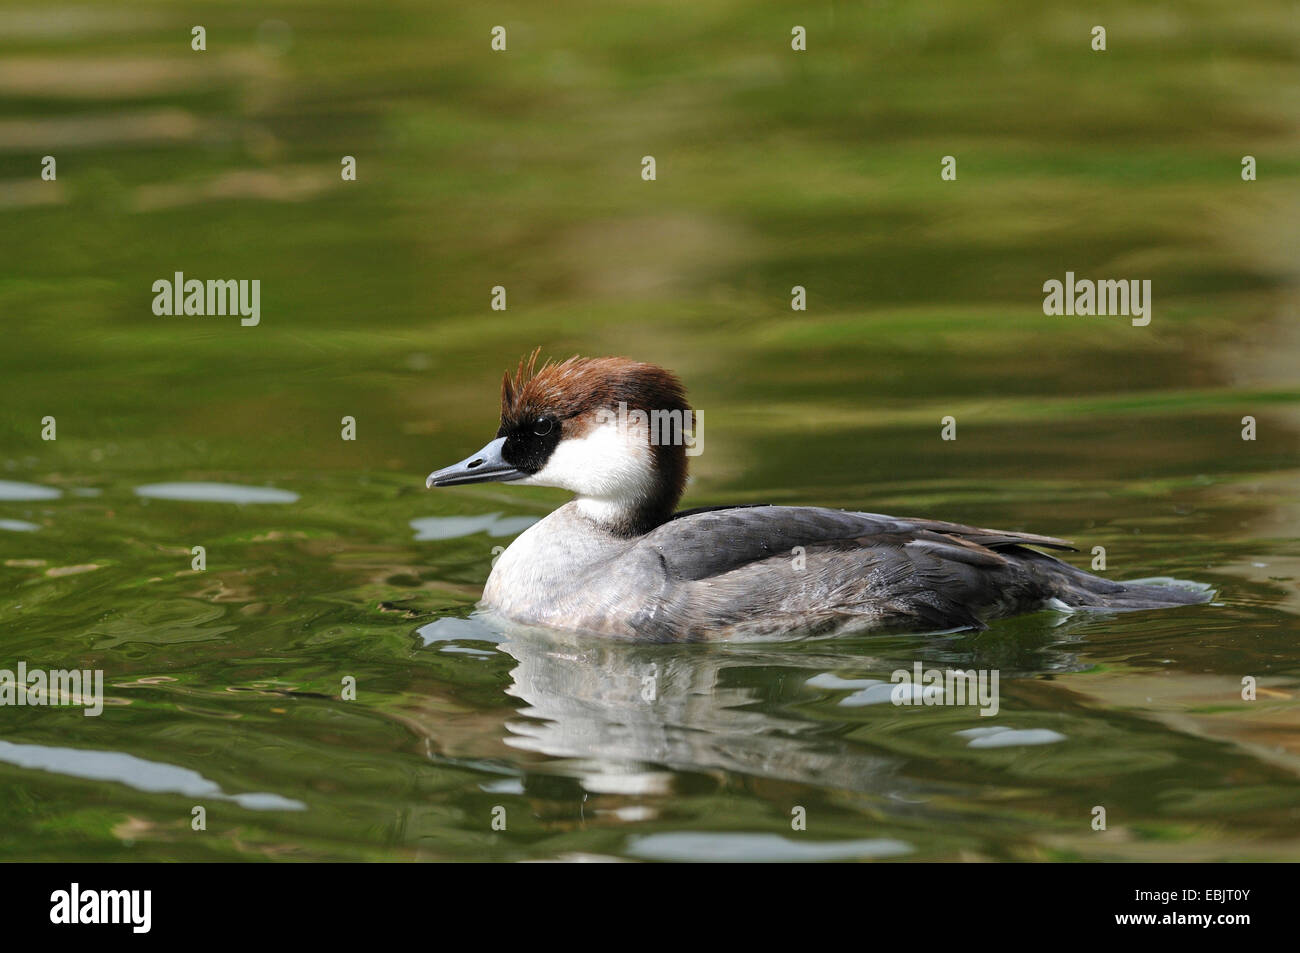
327 560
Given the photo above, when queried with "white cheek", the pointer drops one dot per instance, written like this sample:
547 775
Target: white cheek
605 463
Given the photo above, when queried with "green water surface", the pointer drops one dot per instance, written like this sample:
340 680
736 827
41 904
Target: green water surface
522 170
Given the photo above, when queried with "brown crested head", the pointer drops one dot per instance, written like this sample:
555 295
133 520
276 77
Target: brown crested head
543 407
581 385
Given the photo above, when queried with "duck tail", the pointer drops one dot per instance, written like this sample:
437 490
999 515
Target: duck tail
1076 589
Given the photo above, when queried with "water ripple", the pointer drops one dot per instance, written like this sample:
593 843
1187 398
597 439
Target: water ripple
13 490
216 493
154 777
731 847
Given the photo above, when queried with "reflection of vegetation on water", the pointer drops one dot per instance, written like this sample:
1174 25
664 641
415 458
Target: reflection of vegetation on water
775 169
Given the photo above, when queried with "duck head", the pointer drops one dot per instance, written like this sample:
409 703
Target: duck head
612 431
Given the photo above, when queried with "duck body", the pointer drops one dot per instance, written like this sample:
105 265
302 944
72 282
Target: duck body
620 561
775 572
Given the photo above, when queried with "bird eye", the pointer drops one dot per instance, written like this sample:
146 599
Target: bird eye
543 425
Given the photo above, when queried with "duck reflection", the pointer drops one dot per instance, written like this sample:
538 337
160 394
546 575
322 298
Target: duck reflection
633 718
620 713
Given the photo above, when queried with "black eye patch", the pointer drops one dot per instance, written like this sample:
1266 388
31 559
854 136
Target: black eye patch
528 445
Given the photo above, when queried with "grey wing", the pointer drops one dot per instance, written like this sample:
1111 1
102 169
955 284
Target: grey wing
704 543
880 570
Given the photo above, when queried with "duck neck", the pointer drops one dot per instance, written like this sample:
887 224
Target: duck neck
635 514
